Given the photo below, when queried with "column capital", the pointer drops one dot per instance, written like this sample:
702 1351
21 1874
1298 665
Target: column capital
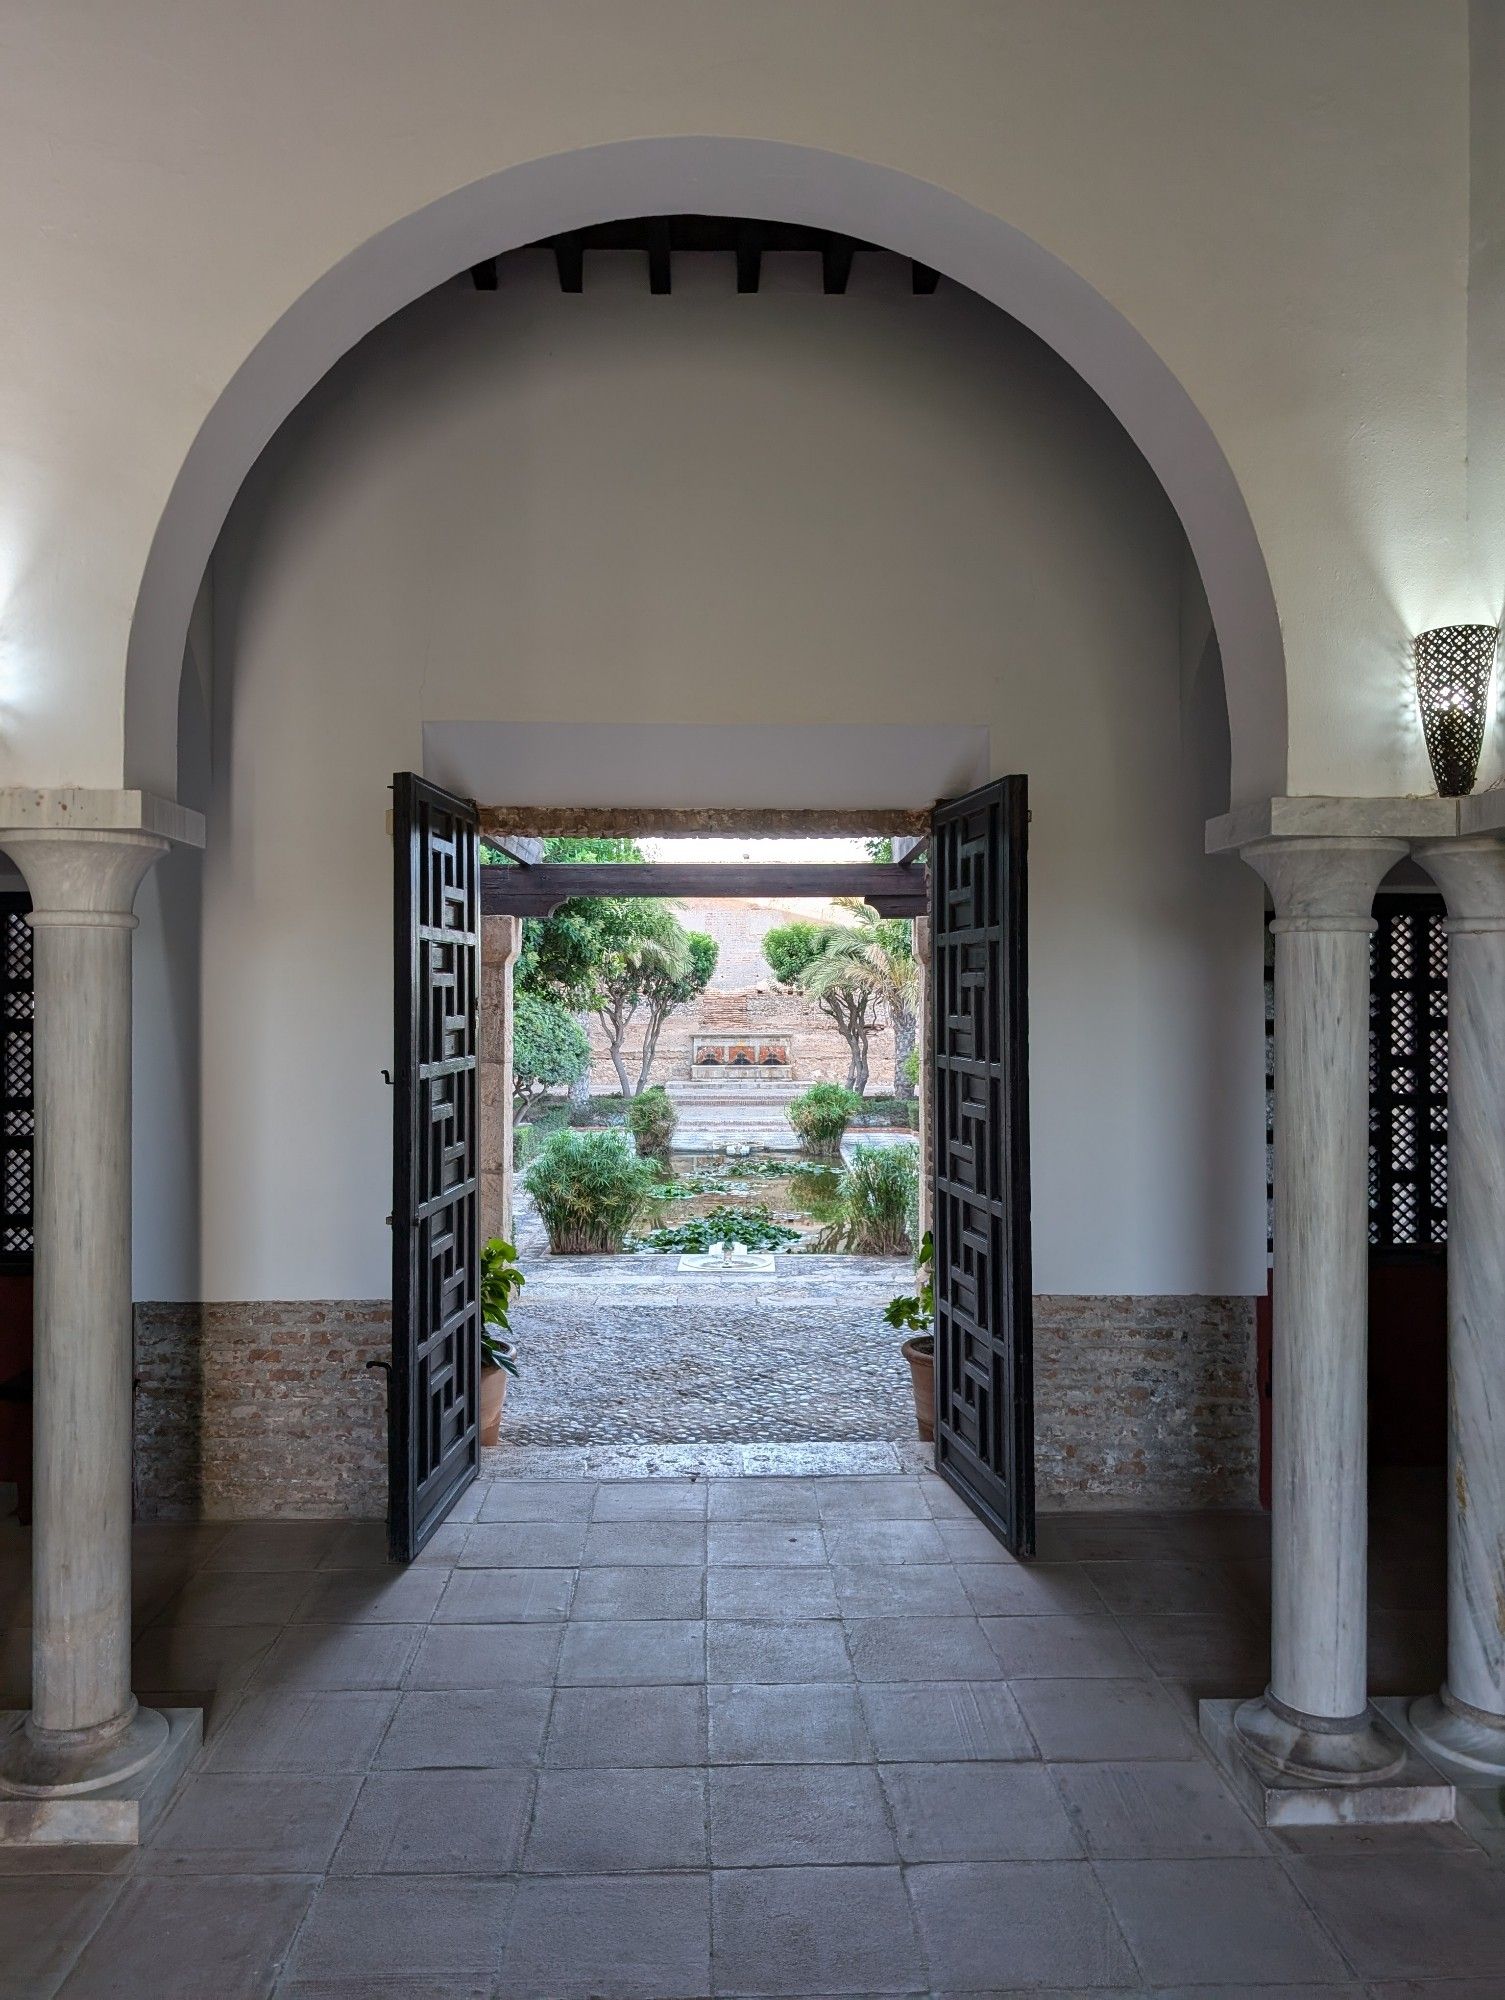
1470 872
1324 881
82 875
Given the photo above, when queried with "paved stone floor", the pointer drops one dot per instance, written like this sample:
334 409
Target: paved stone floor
790 1736
624 1350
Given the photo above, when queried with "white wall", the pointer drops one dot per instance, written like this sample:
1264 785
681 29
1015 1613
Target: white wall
880 509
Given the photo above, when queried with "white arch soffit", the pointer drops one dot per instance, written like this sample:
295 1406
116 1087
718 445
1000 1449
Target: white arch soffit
715 176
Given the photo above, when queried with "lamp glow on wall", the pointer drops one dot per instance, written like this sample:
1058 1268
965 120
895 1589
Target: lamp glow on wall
1453 664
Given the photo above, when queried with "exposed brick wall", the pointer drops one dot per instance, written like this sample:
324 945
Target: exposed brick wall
262 1409
269 1409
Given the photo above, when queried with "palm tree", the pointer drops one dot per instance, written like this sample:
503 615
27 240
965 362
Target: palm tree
872 958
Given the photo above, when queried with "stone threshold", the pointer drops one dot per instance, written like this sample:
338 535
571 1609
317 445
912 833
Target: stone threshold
705 1461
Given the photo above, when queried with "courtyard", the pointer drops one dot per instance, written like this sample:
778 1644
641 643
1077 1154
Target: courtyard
735 1736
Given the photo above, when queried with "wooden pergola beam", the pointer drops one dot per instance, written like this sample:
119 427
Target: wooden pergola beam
747 822
894 888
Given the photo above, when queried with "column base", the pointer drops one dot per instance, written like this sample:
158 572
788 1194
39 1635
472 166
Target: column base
1452 1731
54 1794
1367 1776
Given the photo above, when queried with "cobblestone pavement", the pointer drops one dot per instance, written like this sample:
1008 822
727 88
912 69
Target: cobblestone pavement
624 1351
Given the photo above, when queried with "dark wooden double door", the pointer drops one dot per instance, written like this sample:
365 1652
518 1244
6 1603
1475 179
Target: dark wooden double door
979 1055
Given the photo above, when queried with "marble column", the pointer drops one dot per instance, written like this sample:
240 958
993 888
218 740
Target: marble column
1314 1720
84 1731
1466 1720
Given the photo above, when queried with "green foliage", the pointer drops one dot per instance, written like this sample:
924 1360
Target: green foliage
878 1203
549 1048
912 1066
501 1280
669 981
917 1314
589 1189
791 949
821 1115
651 1119
699 1234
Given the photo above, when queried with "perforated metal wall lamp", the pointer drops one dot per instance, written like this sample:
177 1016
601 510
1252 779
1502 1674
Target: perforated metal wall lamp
1453 664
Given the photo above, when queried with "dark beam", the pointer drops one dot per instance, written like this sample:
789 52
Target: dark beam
520 847
660 265
569 260
836 263
483 275
922 278
908 848
809 821
749 256
890 887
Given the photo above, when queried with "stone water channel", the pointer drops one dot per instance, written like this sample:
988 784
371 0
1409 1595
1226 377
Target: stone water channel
632 1350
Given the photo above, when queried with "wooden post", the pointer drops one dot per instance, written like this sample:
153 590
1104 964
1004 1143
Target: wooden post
501 941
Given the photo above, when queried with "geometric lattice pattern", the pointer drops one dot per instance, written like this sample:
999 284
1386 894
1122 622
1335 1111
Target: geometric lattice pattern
17 1100
1408 1074
436 1314
1453 664
984 1384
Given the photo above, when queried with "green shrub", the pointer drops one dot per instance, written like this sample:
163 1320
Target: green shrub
821 1115
651 1119
549 1048
589 1190
880 1193
754 1227
501 1280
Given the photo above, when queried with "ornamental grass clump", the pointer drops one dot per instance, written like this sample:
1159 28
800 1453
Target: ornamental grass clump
879 1202
821 1116
651 1119
590 1190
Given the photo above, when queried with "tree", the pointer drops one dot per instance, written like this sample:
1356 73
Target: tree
662 993
811 958
642 945
562 953
549 1048
878 951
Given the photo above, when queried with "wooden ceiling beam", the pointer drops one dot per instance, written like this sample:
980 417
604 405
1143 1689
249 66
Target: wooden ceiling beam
748 822
891 887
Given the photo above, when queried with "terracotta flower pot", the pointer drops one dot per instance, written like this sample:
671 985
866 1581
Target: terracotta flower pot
493 1395
920 1354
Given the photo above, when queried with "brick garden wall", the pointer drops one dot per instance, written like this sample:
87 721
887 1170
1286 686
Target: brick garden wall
269 1409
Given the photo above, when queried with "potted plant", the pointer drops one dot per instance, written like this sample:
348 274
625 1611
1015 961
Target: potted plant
501 1279
916 1316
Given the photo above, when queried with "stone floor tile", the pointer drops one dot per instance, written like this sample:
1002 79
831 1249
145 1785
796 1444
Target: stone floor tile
851 1543
237 1597
638 1593
789 1815
971 1541
465 1728
921 1649
611 1728
302 1732
45 1922
844 1500
940 1723
1409 1914
996 1924
900 1590
391 1596
814 1930
256 1824
736 1590
1166 1586
1063 1648
1304 1990
339 1656
765 1544
943 1501
436 1823
632 1652
537 1500
763 1500
650 1500
1097 1721
505 1596
403 1926
524 1545
1227 1652
977 1812
1021 1590
184 1938
611 1937
631 1544
788 1724
188 1542
1207 1921
363 1544
1155 1811
198 1666
617 1822
746 1651
486 1656
272 1544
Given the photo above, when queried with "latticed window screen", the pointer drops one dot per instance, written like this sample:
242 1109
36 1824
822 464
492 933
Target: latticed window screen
1408 1074
17 1106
